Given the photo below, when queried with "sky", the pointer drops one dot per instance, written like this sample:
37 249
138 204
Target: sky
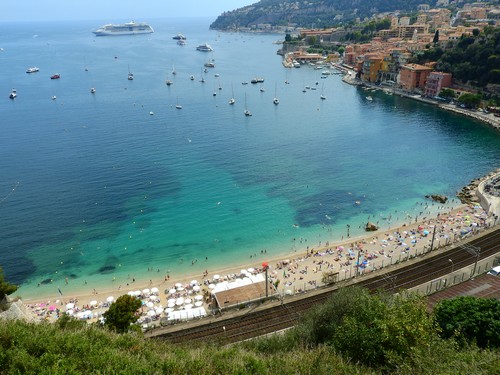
126 10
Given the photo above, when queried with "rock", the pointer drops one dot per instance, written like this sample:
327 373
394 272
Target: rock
370 227
437 198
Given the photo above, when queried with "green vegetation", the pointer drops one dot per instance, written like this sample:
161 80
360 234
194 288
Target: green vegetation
122 313
352 333
470 100
470 320
5 287
473 59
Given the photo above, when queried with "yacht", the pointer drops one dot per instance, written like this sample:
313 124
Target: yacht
179 36
92 90
276 101
13 94
204 48
369 98
55 76
32 70
130 28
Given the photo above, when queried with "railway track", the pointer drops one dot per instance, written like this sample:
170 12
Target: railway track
278 317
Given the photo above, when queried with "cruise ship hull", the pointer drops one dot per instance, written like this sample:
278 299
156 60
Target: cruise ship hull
131 28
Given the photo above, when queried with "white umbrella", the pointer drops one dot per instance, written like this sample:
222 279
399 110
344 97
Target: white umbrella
178 285
194 282
145 291
169 310
251 270
170 300
70 306
172 291
159 310
179 301
196 288
171 305
151 313
150 305
110 299
93 303
154 290
80 315
198 298
70 312
180 289
187 300
87 313
243 271
211 286
131 293
188 307
198 303
216 277
137 293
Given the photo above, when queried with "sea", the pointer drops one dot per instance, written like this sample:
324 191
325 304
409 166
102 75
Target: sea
98 189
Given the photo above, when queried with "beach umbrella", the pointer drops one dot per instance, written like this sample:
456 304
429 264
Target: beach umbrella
171 305
251 270
80 315
211 286
171 300
216 277
150 305
151 313
194 282
110 299
188 307
196 288
70 306
198 303
180 289
154 290
198 298
341 248
179 301
426 232
137 293
243 271
93 303
52 307
131 293
146 291
70 312
159 310
178 285
187 300
169 310
172 291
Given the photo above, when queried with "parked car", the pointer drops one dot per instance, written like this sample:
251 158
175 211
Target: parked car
495 271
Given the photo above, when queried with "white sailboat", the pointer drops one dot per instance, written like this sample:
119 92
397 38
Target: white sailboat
178 106
173 70
322 97
246 111
276 101
232 101
130 75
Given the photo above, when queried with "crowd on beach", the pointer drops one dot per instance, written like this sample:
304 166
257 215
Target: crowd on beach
294 275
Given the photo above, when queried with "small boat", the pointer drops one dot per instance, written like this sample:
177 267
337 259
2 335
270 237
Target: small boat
325 73
244 83
232 100
55 76
32 70
54 97
151 113
262 89
179 36
369 98
92 90
178 106
191 77
216 75
173 70
13 94
168 82
257 80
130 76
322 96
209 65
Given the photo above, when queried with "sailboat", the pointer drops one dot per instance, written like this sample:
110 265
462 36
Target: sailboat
168 82
178 106
202 78
232 101
276 101
246 111
130 75
173 70
322 97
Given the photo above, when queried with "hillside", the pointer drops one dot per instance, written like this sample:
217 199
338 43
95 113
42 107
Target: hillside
320 13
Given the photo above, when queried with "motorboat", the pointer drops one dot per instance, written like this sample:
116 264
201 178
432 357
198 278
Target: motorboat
257 80
246 112
13 94
209 64
276 101
55 76
204 48
32 70
130 77
191 77
232 101
369 98
92 90
54 97
129 28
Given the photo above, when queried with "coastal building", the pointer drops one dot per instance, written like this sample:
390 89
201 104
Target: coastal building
414 77
436 81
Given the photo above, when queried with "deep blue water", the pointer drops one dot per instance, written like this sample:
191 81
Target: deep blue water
94 187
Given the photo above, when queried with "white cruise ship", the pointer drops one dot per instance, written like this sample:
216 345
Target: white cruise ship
130 28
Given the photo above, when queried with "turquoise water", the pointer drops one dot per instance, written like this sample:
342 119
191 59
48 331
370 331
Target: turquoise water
94 188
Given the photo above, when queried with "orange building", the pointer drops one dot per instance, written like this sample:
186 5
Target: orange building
414 76
435 82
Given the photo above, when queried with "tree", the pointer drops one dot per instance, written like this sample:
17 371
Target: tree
122 313
288 37
436 37
447 93
470 100
470 319
5 287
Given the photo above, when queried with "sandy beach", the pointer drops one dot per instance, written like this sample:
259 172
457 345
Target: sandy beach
294 272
